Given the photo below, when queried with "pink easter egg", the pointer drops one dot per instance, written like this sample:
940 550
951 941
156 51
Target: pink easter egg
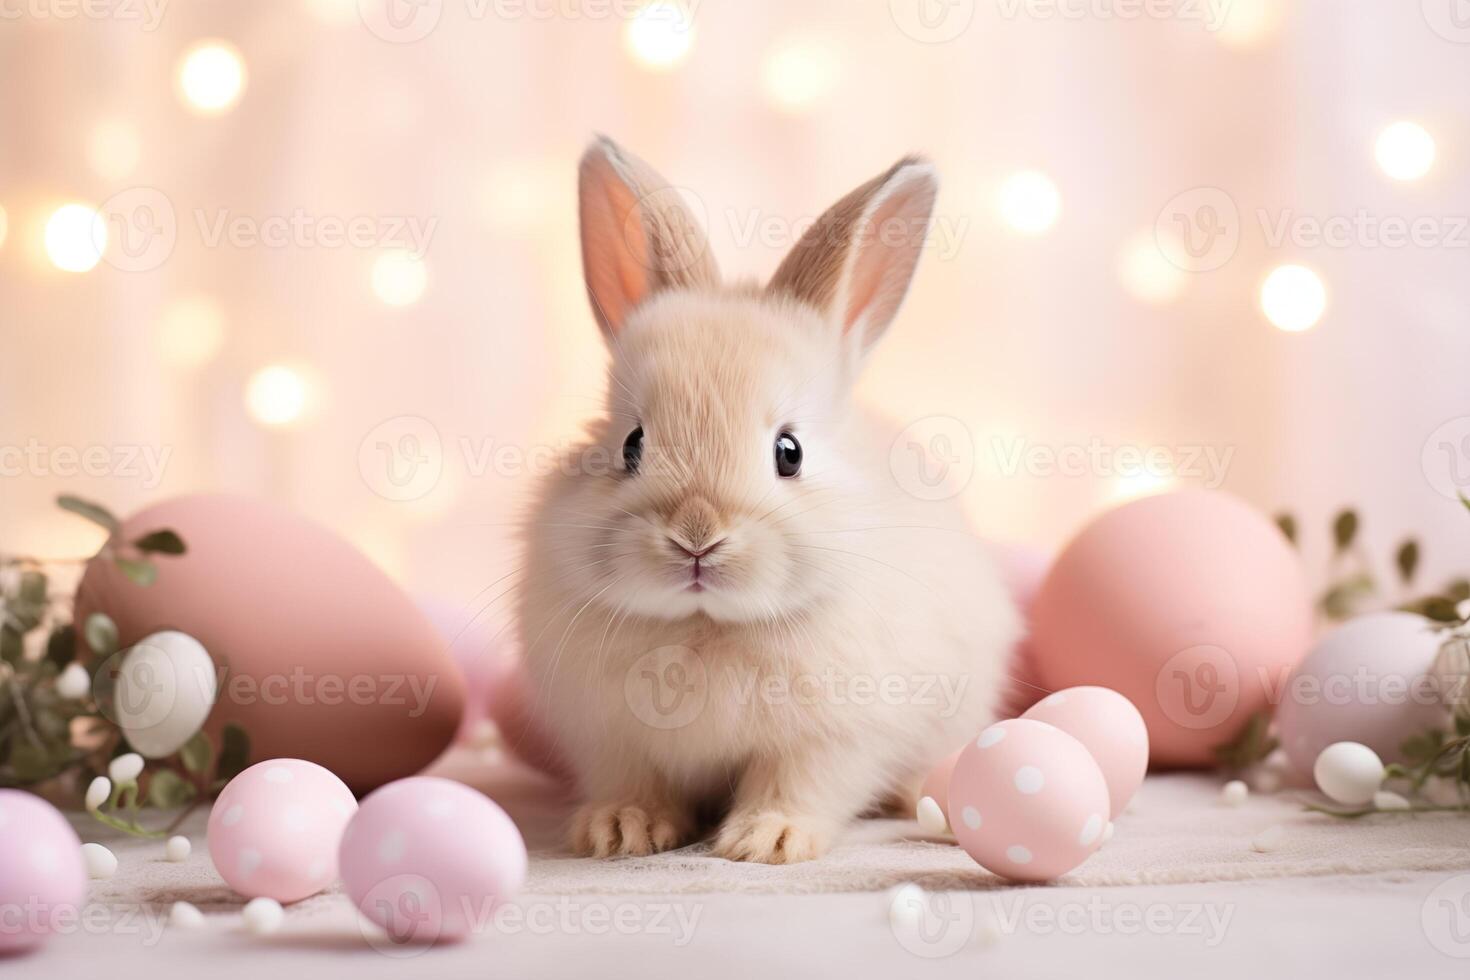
1109 727
274 830
1192 605
1027 801
1366 681
428 858
43 880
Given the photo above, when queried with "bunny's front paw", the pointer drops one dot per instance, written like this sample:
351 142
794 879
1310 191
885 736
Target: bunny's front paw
771 837
628 828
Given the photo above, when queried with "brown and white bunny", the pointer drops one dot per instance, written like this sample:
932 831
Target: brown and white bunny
730 603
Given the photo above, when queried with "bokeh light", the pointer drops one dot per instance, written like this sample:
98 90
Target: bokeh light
211 77
1142 484
799 74
1146 273
76 237
1247 23
660 35
1029 202
399 277
113 149
1293 298
276 395
1405 151
191 331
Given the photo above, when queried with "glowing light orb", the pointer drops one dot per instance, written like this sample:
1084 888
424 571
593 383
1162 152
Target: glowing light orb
1029 202
660 35
1405 151
1293 298
276 395
799 74
1147 274
399 277
211 77
76 237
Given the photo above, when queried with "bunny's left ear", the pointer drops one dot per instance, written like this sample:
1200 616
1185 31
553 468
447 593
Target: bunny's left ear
855 264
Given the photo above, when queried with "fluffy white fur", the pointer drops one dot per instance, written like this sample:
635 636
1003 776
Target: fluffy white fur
846 634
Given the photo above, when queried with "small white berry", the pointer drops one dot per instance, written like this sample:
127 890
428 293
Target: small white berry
178 848
99 791
263 916
73 683
1269 839
931 818
185 916
100 862
1234 793
1349 773
1384 800
906 908
125 768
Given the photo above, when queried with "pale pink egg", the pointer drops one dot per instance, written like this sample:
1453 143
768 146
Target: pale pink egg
274 831
428 858
1108 726
1027 801
43 881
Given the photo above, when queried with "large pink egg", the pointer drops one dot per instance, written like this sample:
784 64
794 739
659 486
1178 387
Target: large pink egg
320 655
275 829
1027 801
429 858
43 881
1191 605
1109 727
1367 681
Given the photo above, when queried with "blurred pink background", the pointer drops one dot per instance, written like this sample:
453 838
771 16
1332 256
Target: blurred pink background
340 265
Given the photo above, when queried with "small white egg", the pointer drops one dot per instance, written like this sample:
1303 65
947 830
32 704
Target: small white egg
1348 772
73 683
1384 800
185 916
101 863
178 848
125 768
906 908
931 818
1234 793
1269 839
263 916
98 792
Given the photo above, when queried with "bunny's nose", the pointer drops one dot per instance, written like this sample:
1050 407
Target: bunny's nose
692 553
695 528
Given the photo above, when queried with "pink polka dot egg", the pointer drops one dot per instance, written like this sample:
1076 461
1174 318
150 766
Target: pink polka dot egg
43 881
428 859
1110 727
1028 801
274 831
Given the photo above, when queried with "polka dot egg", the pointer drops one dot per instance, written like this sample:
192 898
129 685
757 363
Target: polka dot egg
1111 728
43 881
1028 801
274 831
427 858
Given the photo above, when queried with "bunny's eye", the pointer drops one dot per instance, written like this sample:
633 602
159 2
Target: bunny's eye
788 455
633 450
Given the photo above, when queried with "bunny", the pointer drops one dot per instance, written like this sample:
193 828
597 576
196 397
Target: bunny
731 607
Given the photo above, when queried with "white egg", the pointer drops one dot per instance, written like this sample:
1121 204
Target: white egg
931 818
125 768
165 687
98 792
1234 793
101 863
178 848
263 916
1269 840
185 916
1349 773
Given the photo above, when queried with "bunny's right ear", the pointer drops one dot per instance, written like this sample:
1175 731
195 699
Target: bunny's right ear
638 237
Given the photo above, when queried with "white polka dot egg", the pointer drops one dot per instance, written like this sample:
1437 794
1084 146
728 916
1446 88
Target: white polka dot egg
274 831
426 858
1028 801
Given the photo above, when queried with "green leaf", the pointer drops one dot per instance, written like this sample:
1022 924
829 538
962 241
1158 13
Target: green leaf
1342 600
197 754
30 762
1287 523
138 570
1441 610
167 790
33 587
234 752
1458 590
61 646
1407 559
164 542
25 615
95 513
1465 500
1345 530
101 634
12 645
1253 744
